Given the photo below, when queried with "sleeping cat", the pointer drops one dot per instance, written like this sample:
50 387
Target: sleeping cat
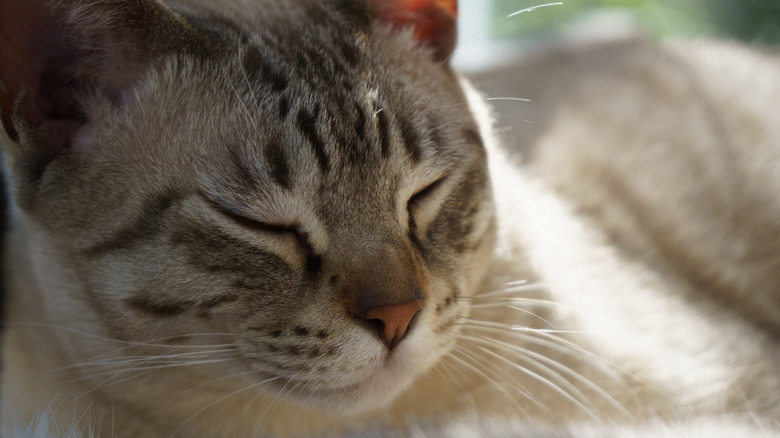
247 218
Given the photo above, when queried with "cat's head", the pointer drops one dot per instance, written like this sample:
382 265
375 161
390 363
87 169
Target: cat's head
302 179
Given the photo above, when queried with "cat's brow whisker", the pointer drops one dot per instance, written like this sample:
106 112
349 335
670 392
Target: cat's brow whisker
531 9
246 79
247 113
486 99
493 24
514 99
504 115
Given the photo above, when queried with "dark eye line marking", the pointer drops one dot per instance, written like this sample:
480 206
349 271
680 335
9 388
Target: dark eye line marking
301 237
426 191
420 197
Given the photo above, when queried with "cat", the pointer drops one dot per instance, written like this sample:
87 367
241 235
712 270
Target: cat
271 218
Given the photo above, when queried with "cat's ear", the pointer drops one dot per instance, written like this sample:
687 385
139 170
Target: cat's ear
434 22
54 53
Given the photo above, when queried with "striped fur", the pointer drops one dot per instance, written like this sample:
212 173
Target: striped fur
210 196
261 186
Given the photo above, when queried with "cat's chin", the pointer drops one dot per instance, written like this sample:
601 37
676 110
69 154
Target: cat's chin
376 391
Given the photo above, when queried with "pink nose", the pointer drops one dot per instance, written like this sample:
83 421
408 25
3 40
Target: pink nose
395 320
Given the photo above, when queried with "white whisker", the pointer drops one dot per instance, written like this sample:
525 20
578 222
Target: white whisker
225 397
549 383
516 99
533 8
536 357
498 381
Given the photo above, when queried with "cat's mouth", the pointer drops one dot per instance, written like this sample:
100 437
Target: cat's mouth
371 390
378 389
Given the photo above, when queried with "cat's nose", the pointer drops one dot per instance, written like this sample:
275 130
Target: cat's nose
393 320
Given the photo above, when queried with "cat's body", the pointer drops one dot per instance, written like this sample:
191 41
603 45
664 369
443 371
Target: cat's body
230 233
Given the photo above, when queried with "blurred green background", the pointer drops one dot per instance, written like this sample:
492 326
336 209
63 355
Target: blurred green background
753 21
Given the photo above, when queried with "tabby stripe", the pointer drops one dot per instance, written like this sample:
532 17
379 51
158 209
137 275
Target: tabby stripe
277 161
157 307
216 252
147 305
146 227
349 52
360 126
306 124
410 139
258 70
245 175
455 219
284 107
357 12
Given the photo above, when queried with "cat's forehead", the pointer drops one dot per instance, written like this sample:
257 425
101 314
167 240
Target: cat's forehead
337 114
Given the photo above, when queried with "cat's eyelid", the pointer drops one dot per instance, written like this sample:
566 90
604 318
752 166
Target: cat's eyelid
240 217
427 190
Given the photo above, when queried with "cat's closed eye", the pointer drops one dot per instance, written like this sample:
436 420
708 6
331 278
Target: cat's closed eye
284 232
422 206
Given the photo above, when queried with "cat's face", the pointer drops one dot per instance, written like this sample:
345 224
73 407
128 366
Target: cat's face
316 194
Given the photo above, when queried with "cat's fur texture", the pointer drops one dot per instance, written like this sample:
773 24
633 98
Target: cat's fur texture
211 197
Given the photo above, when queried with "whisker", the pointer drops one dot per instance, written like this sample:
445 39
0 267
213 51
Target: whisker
150 343
276 398
225 397
496 380
515 328
203 384
500 309
493 24
546 339
555 387
510 301
247 113
532 8
139 370
529 354
516 99
513 289
246 79
486 99
137 359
